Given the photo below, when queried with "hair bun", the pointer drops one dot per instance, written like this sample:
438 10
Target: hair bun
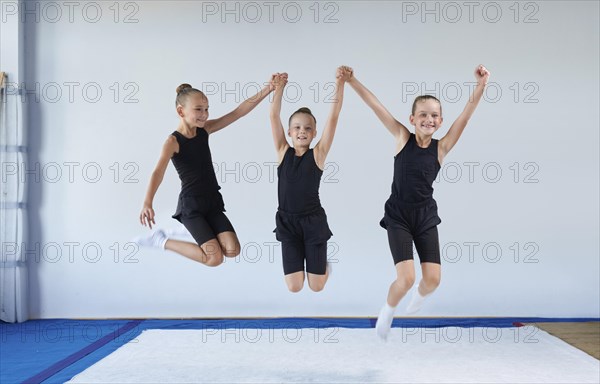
183 87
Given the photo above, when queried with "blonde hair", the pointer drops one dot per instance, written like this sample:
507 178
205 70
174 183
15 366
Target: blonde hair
303 110
183 93
423 98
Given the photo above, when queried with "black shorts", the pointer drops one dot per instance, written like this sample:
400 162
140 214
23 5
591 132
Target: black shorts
309 228
294 254
203 216
304 238
417 224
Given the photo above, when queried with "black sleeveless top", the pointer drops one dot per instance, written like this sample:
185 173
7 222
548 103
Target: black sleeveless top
415 170
298 185
194 165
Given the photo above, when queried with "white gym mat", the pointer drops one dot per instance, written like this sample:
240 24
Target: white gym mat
342 355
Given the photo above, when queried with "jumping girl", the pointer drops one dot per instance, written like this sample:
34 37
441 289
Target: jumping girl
411 212
301 221
200 207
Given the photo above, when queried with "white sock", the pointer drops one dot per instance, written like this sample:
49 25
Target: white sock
384 321
416 302
157 239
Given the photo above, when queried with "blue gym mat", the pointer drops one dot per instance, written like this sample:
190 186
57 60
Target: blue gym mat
53 351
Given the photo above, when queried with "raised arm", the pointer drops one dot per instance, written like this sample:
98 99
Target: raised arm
243 109
281 143
449 140
322 148
396 128
168 149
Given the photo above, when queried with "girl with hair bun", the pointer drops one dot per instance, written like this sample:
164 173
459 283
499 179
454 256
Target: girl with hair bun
200 207
301 222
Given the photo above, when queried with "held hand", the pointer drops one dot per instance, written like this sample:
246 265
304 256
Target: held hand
147 216
344 73
272 82
284 78
482 74
280 80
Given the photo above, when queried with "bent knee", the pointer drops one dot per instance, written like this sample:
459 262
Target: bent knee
295 287
229 247
405 283
214 260
212 254
316 287
317 282
214 257
432 282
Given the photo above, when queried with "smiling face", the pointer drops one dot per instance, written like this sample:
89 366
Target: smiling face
302 129
427 116
194 110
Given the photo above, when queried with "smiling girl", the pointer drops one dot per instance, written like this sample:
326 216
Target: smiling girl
301 221
200 207
411 212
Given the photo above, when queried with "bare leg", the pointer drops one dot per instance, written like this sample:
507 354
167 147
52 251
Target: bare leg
317 282
209 253
428 284
229 243
295 281
405 278
432 273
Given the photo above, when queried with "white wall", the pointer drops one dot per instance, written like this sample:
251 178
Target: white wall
538 127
